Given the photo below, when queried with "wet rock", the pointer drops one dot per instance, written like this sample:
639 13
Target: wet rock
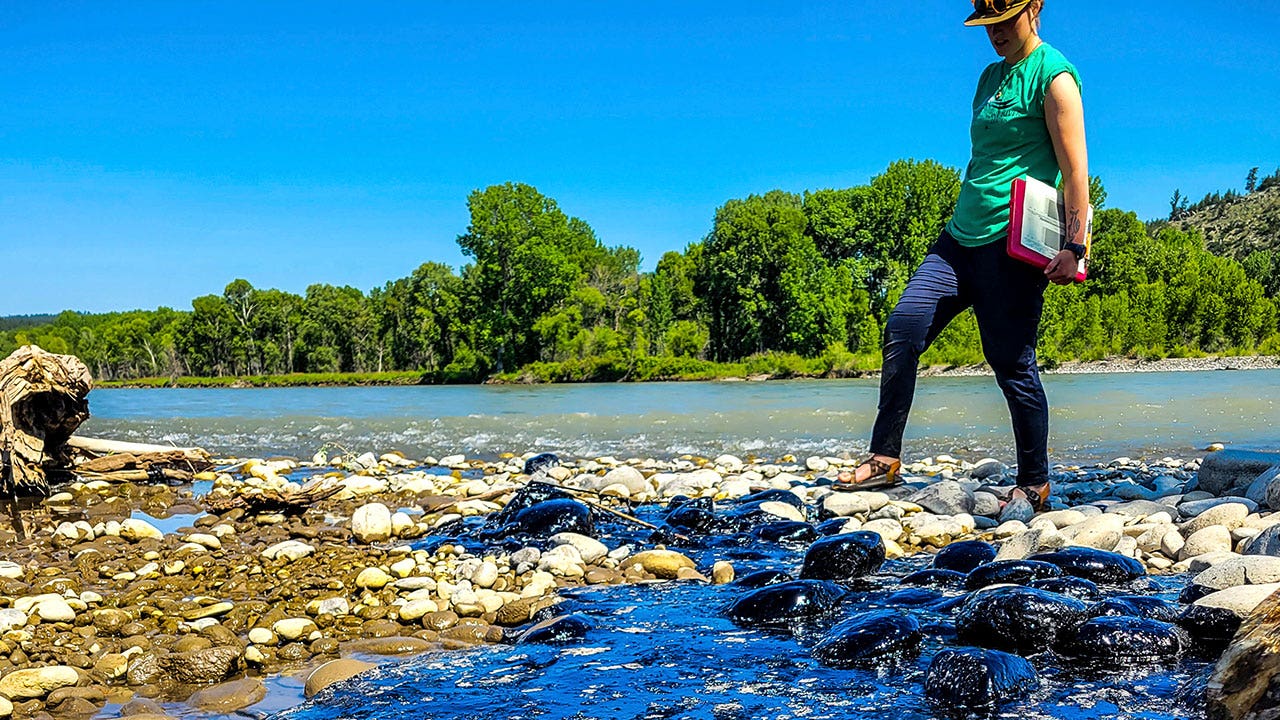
784 603
973 678
843 557
201 666
665 564
552 517
936 578
761 578
540 463
332 672
1123 641
869 638
394 645
1099 566
964 556
37 682
560 630
229 696
1017 619
1211 627
787 531
1075 587
947 497
1020 572
722 572
1141 606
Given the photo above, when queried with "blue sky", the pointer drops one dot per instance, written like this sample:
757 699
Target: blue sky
152 152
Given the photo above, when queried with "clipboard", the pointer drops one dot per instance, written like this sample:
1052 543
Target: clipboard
1037 224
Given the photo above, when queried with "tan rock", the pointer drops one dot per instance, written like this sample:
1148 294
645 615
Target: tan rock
37 682
722 573
229 696
664 564
332 672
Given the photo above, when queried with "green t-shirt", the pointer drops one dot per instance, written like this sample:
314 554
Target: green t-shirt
1010 140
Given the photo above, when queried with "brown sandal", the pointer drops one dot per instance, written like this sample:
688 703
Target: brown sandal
883 475
1036 495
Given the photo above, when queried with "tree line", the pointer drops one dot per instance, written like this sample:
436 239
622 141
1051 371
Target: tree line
784 276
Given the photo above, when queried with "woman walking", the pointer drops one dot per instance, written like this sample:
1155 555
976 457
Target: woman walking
1028 120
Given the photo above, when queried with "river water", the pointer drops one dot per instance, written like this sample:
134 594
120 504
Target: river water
1093 417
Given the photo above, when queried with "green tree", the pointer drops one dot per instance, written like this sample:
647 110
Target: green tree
528 257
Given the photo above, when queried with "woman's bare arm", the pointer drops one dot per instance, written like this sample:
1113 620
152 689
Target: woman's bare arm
1064 116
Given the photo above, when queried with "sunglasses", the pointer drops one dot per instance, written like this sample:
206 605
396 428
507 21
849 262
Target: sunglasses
996 7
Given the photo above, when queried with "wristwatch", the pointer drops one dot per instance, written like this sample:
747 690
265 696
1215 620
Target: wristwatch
1076 249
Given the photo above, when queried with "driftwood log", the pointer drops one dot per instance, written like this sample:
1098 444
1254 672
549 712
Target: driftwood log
43 399
289 499
1245 684
116 461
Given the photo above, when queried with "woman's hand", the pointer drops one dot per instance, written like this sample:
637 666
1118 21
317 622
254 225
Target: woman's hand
1061 270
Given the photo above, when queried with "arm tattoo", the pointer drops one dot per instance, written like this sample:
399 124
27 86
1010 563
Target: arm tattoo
1073 226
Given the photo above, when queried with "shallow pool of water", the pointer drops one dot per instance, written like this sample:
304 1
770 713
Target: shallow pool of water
668 650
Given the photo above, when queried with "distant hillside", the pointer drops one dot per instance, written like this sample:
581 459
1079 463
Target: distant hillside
1239 224
15 322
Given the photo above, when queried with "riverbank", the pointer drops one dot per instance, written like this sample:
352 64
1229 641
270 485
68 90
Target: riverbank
698 371
206 600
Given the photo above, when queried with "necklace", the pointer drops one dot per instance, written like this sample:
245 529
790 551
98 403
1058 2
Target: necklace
1006 71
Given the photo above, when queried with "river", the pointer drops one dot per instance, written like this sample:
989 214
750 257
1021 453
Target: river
1093 417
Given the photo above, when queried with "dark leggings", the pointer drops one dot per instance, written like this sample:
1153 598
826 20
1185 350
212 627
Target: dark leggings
1006 296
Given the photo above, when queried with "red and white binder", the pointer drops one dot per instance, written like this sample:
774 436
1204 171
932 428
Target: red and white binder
1037 225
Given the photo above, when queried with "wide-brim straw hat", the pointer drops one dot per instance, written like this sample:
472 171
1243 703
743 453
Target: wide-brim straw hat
990 12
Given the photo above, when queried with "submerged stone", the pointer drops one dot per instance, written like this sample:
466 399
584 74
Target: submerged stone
1212 628
1069 585
785 603
1099 566
977 678
936 578
1018 619
843 557
786 531
1141 606
1018 572
869 638
761 578
1123 640
557 631
964 556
